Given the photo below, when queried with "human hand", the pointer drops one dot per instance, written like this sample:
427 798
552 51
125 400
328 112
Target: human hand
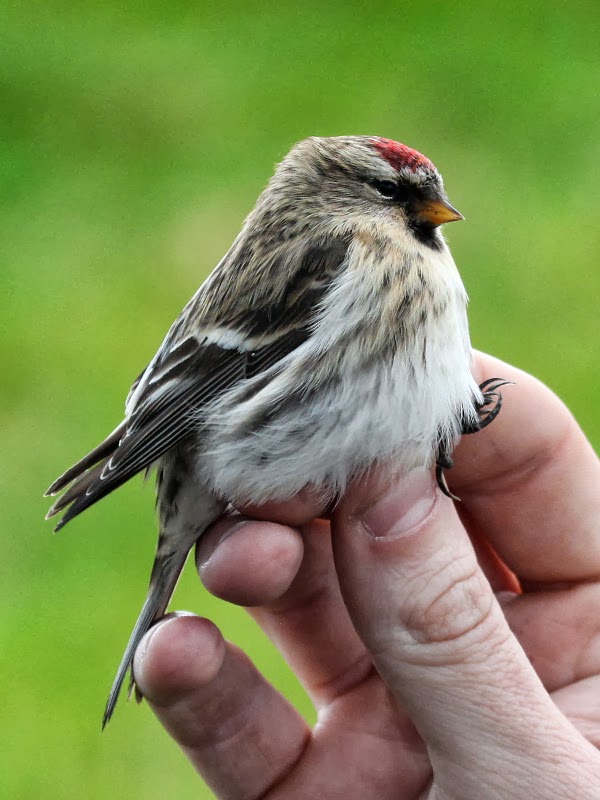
451 652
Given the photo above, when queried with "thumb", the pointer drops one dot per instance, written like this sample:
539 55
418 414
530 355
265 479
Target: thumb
428 616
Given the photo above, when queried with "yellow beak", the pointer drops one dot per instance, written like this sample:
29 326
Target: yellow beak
437 212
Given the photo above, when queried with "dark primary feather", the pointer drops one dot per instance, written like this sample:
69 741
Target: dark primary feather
190 371
97 454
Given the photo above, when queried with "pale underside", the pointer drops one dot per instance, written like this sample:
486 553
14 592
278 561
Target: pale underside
387 400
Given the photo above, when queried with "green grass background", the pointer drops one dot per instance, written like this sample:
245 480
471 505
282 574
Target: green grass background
135 138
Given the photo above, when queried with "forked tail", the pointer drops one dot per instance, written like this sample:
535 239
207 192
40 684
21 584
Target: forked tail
165 573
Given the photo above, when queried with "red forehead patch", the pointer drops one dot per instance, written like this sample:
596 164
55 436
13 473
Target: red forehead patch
400 156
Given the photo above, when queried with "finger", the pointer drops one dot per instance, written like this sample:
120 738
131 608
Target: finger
559 631
438 637
580 703
238 732
529 483
252 563
249 563
244 738
299 602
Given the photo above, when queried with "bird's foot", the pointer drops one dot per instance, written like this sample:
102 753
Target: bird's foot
487 412
489 409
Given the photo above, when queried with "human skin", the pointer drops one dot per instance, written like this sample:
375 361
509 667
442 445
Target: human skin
452 650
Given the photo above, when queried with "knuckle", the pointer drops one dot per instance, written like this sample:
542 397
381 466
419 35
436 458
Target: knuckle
453 605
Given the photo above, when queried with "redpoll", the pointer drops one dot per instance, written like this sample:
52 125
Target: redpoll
332 336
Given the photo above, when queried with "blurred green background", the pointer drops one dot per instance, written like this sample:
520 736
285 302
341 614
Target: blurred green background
134 141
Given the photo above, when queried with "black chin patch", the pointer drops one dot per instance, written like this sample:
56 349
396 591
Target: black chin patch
425 233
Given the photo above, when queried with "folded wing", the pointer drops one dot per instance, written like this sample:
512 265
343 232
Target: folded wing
190 370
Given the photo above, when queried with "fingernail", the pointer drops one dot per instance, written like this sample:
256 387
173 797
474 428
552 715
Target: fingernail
142 648
505 598
402 508
209 544
140 652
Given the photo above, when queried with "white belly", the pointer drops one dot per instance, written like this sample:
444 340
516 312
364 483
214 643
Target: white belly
382 413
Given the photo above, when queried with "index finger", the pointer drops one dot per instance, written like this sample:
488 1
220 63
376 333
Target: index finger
530 482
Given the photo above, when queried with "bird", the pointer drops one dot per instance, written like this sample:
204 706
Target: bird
332 337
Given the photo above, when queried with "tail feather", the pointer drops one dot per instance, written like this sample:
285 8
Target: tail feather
165 574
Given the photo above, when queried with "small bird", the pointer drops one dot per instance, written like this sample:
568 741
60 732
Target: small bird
331 337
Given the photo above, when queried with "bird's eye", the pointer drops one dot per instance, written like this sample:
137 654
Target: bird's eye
387 189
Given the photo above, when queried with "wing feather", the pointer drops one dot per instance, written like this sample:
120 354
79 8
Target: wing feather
190 370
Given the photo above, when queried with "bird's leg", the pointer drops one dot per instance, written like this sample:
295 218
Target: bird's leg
487 411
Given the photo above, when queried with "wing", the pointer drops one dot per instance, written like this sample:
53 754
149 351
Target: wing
207 351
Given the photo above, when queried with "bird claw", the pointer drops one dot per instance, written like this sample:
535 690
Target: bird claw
133 690
492 398
443 463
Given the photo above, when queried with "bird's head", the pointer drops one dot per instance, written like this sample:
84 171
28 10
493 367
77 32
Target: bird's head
351 182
